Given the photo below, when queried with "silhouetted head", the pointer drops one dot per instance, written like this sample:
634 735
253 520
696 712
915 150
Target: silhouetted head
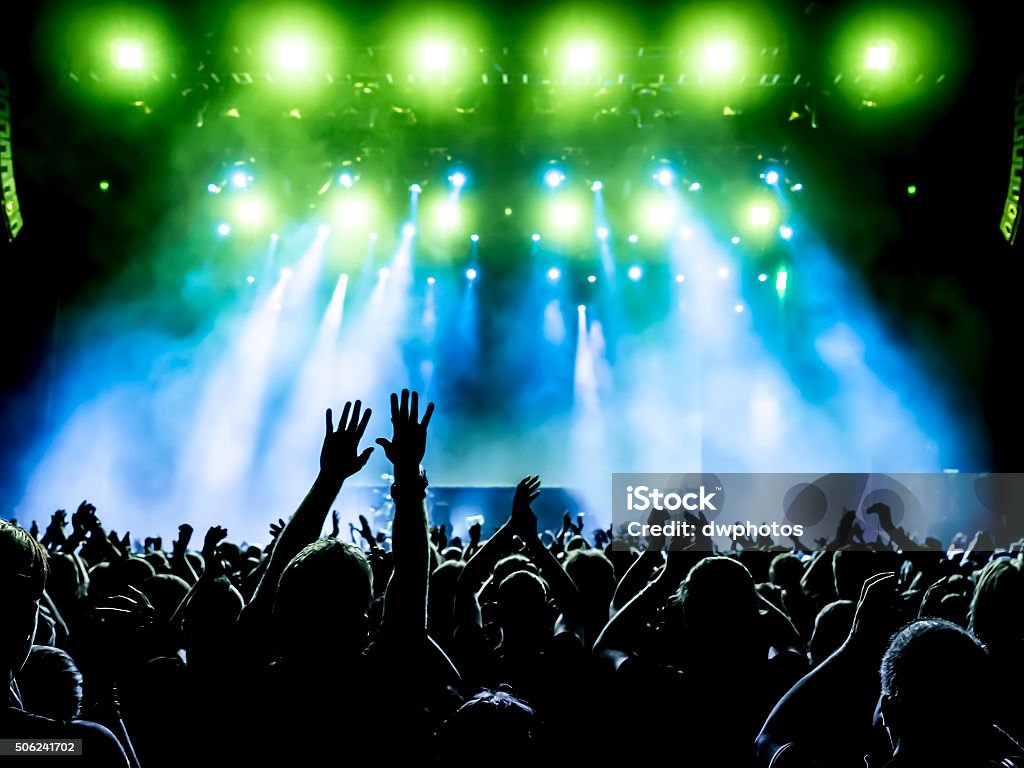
594 575
995 616
324 597
915 705
495 727
523 611
23 568
719 607
441 598
785 571
50 684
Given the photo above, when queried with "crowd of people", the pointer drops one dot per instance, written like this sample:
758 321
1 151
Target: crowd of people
515 648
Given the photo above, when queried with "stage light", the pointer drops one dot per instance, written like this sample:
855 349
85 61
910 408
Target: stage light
224 230
250 279
772 178
104 185
447 215
658 215
911 190
735 240
554 274
553 177
581 308
239 179
436 56
685 232
431 280
345 180
602 233
384 273
250 211
738 308
723 272
695 186
665 177
786 233
635 273
128 55
581 57
720 57
286 273
508 211
879 57
565 216
274 237
597 186
680 278
591 278
634 238
762 278
415 188
471 274
291 54
797 187
475 238
760 215
323 230
535 237
781 282
408 230
458 179
373 236
213 189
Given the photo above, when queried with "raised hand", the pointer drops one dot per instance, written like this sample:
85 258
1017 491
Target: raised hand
577 529
884 515
34 530
214 537
335 524
276 528
54 535
184 537
340 457
84 520
408 442
523 521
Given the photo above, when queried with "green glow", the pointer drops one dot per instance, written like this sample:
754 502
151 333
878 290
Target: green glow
912 190
354 212
720 57
250 211
128 54
291 54
761 215
581 56
656 216
879 56
104 185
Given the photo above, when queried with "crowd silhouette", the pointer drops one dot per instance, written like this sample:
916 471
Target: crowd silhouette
523 646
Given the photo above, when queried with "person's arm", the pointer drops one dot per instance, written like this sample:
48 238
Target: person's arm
180 566
896 535
405 601
339 460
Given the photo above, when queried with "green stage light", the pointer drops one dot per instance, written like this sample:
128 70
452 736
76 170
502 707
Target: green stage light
581 57
911 190
879 57
354 212
291 54
128 54
104 185
250 211
435 56
656 216
760 215
720 57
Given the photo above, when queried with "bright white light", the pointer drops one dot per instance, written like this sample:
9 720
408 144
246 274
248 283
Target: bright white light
735 240
475 238
535 237
250 279
129 55
797 187
634 238
695 186
384 273
602 233
324 230
685 232
554 274
738 308
274 237
458 179
431 280
581 58
213 189
415 189
292 54
762 277
409 230
680 278
772 177
879 57
373 236
723 272
786 233
581 308
471 274
635 273
597 186
436 56
286 273
239 179
720 57
345 180
591 278
760 214
224 230
250 211
665 177
553 177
